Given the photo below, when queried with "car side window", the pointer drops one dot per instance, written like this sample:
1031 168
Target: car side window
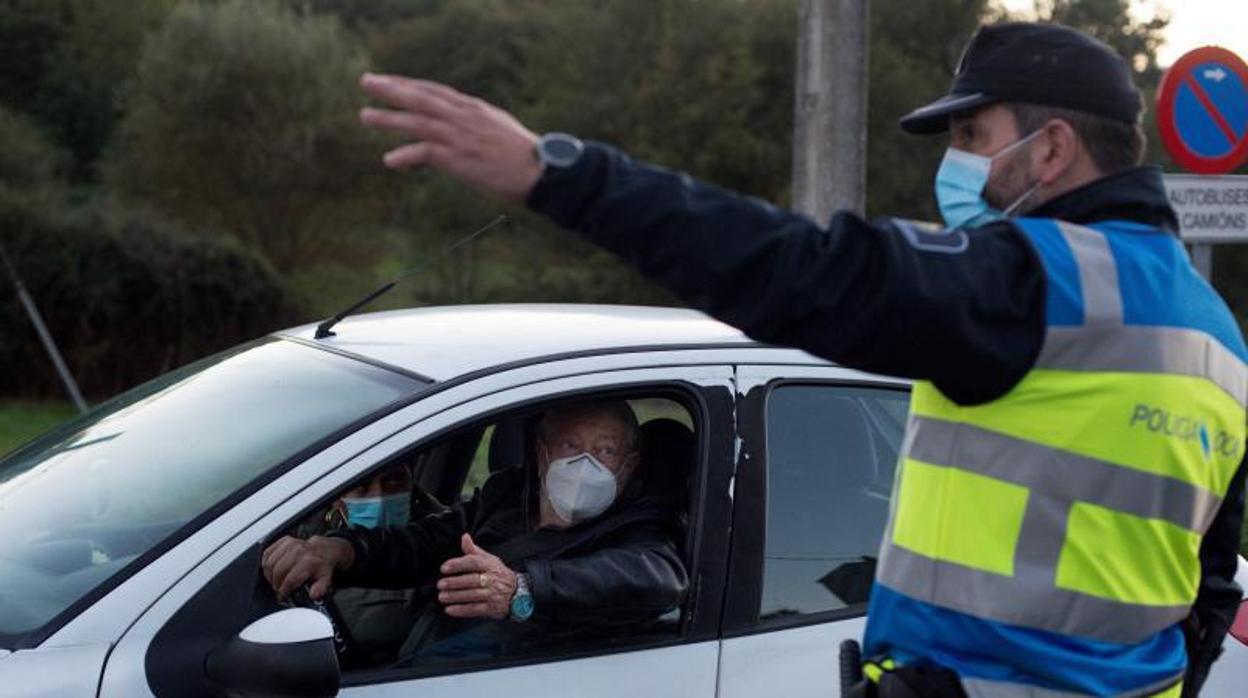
610 574
831 454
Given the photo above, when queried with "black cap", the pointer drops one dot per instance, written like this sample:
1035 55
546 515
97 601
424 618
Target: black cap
1045 64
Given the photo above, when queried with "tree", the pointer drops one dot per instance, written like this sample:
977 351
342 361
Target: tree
30 31
80 94
915 47
27 161
243 119
66 63
1111 22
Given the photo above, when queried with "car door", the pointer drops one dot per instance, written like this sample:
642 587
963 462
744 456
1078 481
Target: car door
683 664
819 445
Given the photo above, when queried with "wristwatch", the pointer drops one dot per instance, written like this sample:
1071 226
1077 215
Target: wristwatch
559 150
522 600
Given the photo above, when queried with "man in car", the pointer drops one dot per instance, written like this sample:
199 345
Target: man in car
377 620
1064 515
577 546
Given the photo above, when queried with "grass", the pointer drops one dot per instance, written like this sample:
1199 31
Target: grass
22 421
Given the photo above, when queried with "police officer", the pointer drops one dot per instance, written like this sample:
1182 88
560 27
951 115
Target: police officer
1067 507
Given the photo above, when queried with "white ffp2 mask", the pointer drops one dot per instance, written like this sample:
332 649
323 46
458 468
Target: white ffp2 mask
579 487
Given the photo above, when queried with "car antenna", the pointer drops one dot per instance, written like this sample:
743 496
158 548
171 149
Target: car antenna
324 329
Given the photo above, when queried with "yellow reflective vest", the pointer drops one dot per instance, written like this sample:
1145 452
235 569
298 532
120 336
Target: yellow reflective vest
1049 540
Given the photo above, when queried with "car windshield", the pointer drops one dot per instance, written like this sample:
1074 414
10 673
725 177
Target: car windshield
81 503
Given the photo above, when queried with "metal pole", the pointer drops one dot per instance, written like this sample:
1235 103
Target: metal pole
46 337
1202 259
830 110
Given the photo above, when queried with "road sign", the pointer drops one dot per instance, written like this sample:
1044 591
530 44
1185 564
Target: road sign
1202 111
1210 208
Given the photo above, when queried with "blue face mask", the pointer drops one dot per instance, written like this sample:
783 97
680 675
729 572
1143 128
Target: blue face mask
960 184
374 512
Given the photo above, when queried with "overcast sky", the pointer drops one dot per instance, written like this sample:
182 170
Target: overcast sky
1193 23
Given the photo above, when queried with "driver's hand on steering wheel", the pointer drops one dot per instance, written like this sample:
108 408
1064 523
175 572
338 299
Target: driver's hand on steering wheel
290 563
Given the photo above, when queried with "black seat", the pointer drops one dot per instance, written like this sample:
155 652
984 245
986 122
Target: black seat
668 450
509 446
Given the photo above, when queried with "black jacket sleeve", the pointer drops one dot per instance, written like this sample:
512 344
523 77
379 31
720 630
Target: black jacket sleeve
634 578
404 557
964 310
1218 599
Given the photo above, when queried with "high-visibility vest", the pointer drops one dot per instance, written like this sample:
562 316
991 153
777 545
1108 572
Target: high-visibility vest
1049 540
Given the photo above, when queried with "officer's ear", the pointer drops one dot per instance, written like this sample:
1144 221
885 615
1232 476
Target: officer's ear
1057 152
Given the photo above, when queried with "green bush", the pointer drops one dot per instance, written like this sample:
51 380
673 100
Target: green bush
126 295
242 118
27 160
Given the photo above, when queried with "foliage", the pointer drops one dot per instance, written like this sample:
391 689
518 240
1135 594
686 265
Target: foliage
27 160
126 295
22 421
66 63
242 119
236 119
915 47
30 31
1111 22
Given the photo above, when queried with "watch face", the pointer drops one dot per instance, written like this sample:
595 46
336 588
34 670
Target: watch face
522 606
560 149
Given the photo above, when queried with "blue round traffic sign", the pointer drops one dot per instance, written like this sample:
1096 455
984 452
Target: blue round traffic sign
1202 111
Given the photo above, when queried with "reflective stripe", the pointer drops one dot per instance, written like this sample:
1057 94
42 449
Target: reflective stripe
1172 350
1175 426
1172 692
1059 474
986 688
873 671
1098 274
1028 599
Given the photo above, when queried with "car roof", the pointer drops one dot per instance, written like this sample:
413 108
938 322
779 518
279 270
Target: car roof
444 342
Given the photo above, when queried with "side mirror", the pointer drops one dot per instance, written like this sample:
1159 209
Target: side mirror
289 653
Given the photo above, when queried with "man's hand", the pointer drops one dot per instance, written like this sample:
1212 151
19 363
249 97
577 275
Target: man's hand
290 562
477 585
465 137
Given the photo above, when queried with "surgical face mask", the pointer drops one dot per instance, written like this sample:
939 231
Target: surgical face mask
579 487
373 512
960 184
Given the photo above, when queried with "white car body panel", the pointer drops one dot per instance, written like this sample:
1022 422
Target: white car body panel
488 358
452 341
794 662
125 674
1229 678
52 672
681 671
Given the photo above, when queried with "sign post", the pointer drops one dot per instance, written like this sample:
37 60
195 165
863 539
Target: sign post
1202 113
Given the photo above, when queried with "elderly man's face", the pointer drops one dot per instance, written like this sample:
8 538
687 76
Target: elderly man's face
597 434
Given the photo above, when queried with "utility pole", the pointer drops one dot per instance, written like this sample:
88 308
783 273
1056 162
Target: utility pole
49 344
830 113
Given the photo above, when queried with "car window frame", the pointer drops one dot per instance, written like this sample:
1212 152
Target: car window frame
743 597
710 408
695 401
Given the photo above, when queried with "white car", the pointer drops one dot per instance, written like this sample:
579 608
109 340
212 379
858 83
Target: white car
130 538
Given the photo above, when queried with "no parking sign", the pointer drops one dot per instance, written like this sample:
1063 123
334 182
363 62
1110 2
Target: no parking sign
1202 111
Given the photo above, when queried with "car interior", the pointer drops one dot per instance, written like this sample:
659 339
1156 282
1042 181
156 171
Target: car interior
451 468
